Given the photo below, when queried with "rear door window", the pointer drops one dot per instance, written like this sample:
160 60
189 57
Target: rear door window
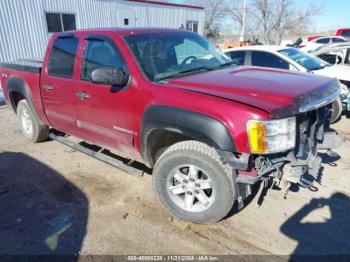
338 40
237 57
264 59
345 33
101 53
62 57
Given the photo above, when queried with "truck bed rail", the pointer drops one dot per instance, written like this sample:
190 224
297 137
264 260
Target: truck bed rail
24 65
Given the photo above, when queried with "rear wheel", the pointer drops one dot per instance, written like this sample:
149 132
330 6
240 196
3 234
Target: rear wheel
29 124
192 183
337 110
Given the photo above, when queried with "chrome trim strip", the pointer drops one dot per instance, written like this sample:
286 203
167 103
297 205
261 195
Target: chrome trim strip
59 116
319 103
123 130
112 133
97 129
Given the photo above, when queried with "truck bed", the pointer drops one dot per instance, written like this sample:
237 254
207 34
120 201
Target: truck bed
24 65
29 72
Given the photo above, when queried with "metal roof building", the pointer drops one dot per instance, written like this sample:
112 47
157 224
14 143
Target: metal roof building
26 25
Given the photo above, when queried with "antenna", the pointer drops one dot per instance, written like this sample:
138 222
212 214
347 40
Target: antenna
242 37
147 13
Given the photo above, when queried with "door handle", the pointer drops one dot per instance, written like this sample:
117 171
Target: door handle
48 87
82 95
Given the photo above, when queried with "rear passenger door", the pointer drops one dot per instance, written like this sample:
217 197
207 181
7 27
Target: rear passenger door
58 84
264 59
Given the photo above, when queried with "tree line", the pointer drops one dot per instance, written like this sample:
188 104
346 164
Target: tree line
269 20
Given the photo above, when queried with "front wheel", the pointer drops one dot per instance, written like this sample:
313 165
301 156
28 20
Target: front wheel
193 184
337 110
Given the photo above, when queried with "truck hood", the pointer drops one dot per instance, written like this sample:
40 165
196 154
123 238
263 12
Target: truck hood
281 93
342 72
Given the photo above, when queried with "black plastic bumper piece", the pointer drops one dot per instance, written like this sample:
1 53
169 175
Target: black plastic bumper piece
235 162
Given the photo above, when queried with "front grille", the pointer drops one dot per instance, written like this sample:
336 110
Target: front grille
303 165
311 127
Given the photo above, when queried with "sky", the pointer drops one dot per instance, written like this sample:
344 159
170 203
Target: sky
335 14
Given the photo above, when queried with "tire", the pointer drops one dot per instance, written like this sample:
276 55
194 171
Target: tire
29 123
202 162
337 110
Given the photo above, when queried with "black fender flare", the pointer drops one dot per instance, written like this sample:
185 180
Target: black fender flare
15 84
185 122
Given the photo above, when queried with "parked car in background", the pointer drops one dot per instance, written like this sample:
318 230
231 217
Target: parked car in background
168 99
2 99
345 32
310 38
293 59
334 53
325 40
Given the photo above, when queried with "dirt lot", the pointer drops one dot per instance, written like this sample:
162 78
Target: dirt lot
56 200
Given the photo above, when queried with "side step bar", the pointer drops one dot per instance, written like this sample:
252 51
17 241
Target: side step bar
98 155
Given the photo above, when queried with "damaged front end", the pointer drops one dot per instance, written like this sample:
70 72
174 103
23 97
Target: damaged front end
280 161
302 164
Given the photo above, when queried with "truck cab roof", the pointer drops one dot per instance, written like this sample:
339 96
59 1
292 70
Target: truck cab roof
122 31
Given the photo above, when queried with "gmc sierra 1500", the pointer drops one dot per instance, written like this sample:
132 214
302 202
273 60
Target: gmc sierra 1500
170 100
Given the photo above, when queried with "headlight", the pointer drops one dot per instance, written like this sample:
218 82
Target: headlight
267 137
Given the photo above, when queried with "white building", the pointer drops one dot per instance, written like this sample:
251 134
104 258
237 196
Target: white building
26 25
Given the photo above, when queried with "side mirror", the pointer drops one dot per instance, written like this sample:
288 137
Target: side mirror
109 76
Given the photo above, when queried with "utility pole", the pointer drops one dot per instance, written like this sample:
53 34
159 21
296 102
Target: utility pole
242 36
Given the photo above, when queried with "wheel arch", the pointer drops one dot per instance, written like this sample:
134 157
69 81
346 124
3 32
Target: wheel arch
163 126
17 90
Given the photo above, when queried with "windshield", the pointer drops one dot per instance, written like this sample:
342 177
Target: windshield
170 54
303 59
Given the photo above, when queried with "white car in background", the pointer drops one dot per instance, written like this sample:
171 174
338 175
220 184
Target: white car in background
290 58
325 40
334 53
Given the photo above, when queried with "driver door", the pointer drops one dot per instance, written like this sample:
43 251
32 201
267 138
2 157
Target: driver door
105 112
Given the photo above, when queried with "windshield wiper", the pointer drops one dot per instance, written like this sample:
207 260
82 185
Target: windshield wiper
317 68
225 64
201 68
183 72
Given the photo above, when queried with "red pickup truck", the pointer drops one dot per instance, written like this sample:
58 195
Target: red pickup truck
168 99
343 32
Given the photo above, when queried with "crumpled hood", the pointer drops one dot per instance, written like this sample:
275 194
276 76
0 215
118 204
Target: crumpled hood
342 72
279 92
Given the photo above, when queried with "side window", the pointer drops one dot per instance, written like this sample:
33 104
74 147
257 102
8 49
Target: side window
334 57
190 48
237 57
338 40
62 57
192 26
264 59
98 54
323 41
59 22
68 21
345 33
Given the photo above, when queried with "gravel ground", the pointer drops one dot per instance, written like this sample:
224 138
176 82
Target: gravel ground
54 200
